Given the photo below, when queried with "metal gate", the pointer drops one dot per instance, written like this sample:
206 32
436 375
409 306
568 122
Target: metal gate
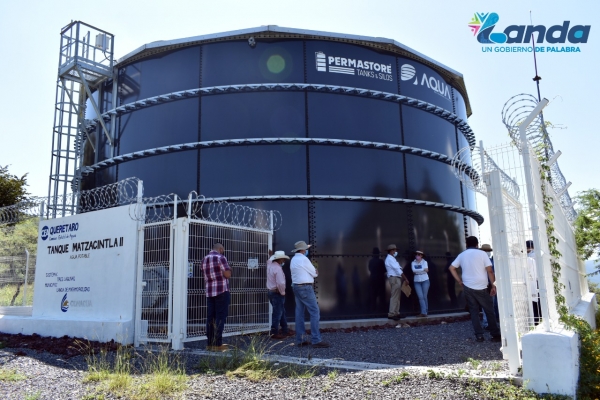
154 294
508 236
247 252
171 295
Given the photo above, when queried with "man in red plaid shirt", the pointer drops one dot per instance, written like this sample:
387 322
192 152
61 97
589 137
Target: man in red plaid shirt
216 272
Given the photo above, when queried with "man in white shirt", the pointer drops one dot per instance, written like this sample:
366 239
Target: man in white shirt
395 277
532 283
303 278
476 269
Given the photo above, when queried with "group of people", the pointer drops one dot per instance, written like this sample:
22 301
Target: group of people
217 272
477 279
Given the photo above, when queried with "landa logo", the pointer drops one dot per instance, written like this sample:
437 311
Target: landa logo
482 25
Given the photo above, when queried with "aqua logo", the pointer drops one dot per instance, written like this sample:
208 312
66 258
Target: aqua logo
483 24
64 304
441 88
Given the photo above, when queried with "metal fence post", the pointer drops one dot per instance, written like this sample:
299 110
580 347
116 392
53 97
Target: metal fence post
270 242
179 282
26 275
140 190
535 228
140 284
508 328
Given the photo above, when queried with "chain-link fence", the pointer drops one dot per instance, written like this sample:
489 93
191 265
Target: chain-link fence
17 273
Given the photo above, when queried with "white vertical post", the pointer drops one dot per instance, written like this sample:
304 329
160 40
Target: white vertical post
270 243
140 191
140 284
510 345
535 228
174 209
26 275
482 155
42 209
179 276
189 206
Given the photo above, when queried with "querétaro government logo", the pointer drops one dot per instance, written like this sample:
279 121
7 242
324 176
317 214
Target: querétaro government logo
60 232
45 233
482 25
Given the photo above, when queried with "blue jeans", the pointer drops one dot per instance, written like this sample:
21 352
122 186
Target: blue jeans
306 300
216 314
278 318
477 299
422 288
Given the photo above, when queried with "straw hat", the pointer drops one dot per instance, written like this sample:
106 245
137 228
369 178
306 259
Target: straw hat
301 245
277 255
486 247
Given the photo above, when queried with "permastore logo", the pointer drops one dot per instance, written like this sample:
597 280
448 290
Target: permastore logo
407 72
482 25
352 66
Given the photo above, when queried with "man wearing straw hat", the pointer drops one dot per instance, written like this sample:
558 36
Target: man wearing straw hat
395 277
276 287
303 278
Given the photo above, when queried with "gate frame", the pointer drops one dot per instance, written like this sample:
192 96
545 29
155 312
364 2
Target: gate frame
511 348
140 284
178 261
180 283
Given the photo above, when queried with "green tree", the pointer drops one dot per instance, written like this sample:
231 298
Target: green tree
12 188
587 224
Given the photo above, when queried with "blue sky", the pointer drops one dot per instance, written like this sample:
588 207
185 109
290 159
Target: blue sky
29 40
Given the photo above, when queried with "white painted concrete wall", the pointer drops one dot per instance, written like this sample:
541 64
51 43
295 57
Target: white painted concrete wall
85 278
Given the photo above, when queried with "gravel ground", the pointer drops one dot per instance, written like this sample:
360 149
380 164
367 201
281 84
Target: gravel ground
450 346
60 376
51 377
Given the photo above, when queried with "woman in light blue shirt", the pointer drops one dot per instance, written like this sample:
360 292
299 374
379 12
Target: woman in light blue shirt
420 269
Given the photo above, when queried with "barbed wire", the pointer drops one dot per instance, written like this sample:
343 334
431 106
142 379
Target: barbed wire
471 177
198 207
112 195
115 194
146 209
514 112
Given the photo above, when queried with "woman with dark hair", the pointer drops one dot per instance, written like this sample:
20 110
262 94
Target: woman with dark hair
420 268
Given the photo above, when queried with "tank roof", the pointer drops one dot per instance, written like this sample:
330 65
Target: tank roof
451 76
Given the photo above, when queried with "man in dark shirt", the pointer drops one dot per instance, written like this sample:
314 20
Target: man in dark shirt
377 281
216 272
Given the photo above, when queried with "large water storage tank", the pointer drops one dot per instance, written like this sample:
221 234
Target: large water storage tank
366 128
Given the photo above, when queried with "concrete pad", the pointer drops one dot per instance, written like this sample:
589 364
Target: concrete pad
551 361
586 309
369 322
96 330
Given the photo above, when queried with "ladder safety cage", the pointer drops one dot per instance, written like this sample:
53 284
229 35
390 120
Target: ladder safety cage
85 61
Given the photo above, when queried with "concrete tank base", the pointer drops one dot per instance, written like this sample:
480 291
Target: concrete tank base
94 330
551 361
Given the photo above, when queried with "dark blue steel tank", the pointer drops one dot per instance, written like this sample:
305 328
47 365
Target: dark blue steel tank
368 126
